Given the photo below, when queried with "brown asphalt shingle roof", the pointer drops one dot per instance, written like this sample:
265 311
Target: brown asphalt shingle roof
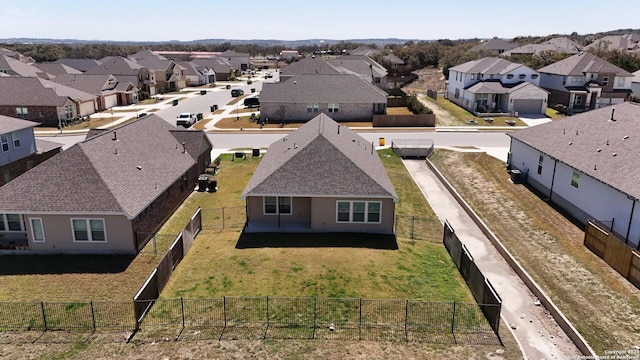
31 91
318 160
576 140
102 175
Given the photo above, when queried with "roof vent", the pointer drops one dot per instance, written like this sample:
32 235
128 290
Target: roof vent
338 129
576 132
115 136
116 151
607 142
139 167
595 167
614 154
612 112
570 143
599 150
184 148
625 137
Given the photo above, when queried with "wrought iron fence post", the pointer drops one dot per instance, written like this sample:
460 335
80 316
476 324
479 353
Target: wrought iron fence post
182 309
265 333
44 315
224 310
453 321
315 306
93 315
360 322
406 316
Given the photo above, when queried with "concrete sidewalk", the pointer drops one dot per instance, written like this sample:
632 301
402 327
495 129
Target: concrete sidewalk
537 333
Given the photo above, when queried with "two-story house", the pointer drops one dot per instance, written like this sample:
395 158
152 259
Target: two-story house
169 76
19 149
585 82
496 86
127 70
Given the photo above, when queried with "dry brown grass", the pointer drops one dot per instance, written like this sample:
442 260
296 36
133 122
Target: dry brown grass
604 307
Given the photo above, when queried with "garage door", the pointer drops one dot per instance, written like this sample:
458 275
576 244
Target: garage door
110 101
526 106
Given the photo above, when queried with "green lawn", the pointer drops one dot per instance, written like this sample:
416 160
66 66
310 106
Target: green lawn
461 115
421 270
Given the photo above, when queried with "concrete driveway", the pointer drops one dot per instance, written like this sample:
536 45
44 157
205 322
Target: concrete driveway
537 333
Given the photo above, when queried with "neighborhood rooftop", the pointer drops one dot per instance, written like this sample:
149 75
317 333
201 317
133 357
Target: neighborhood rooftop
321 158
602 143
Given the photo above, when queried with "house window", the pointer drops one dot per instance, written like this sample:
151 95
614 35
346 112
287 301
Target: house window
15 137
37 231
274 205
540 160
358 211
577 79
575 180
621 81
68 112
491 76
88 230
473 76
312 107
457 95
10 222
22 113
4 140
605 81
333 108
534 76
522 76
509 76
578 100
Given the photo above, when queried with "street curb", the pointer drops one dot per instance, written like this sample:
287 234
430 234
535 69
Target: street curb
558 316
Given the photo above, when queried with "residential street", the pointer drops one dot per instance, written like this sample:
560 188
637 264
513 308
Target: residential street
538 334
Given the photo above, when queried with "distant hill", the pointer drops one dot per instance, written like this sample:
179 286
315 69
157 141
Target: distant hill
261 42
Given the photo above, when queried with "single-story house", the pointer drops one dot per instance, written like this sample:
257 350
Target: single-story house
303 97
109 90
323 177
19 148
106 194
588 165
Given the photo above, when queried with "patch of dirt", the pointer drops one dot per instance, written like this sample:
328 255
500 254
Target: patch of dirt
601 304
443 117
428 79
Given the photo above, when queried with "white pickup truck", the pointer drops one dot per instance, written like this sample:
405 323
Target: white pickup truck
186 119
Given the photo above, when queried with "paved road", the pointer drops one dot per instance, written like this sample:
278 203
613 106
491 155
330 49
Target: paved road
538 334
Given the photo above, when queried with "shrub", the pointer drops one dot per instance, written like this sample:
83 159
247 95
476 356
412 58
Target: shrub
415 106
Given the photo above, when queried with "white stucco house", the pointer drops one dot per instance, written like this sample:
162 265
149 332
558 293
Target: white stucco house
588 165
496 86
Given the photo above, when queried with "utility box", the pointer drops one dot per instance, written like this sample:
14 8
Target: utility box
256 152
213 185
174 102
203 182
516 176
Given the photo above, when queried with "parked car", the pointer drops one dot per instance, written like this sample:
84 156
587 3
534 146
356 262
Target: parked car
237 92
186 119
251 102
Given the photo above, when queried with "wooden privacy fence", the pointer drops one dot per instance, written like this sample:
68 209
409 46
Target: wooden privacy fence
488 299
613 251
419 120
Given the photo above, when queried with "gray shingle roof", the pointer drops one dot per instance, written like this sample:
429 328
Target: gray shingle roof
10 124
89 83
558 44
80 64
309 66
487 65
323 88
18 68
584 62
116 65
494 44
57 69
218 64
576 140
34 92
496 87
102 175
319 160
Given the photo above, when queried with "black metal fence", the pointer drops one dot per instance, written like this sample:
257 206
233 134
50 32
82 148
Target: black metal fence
226 217
488 299
15 316
416 228
235 318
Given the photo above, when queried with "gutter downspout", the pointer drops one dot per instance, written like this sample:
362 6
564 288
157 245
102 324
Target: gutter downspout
553 178
633 206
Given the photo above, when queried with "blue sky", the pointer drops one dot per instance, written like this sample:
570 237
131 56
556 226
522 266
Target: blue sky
161 20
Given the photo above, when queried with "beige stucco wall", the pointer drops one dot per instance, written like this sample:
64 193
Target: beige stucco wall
59 236
300 211
323 217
